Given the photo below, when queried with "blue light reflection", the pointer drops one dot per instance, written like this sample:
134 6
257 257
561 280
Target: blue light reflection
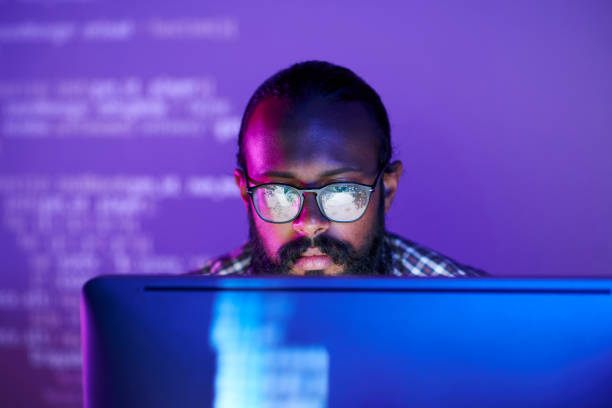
256 367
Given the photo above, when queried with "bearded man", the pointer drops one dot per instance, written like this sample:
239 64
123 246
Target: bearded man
316 175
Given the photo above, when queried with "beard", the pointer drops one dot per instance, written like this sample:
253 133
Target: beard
373 259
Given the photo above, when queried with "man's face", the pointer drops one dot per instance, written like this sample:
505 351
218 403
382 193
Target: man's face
309 146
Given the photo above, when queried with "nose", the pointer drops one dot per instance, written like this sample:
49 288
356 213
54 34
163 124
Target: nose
310 222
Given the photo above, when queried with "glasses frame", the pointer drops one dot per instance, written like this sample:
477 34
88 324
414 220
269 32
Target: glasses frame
316 191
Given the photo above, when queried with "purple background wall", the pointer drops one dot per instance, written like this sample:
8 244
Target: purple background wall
118 122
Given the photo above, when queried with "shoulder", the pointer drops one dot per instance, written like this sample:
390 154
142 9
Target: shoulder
236 262
412 259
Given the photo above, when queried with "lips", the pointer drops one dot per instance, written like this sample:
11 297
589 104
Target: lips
312 259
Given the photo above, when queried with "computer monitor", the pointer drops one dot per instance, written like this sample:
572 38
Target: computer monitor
346 342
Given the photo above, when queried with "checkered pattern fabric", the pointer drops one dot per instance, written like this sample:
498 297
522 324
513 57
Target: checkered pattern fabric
408 259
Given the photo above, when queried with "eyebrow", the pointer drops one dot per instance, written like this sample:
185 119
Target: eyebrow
289 175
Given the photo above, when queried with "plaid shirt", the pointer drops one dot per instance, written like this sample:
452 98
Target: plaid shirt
408 259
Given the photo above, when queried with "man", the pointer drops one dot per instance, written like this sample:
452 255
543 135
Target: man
316 176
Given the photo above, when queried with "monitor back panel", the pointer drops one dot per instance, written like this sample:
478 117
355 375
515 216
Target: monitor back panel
196 341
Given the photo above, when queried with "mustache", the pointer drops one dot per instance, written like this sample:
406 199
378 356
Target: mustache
339 251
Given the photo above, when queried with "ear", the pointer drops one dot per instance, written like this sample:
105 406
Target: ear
241 182
391 178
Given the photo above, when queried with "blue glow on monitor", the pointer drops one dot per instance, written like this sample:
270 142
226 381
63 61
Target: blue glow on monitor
255 365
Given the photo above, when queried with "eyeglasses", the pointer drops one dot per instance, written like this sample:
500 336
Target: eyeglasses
338 202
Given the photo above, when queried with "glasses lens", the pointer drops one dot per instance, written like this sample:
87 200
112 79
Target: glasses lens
344 202
276 202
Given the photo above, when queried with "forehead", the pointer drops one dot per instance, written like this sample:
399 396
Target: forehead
282 135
